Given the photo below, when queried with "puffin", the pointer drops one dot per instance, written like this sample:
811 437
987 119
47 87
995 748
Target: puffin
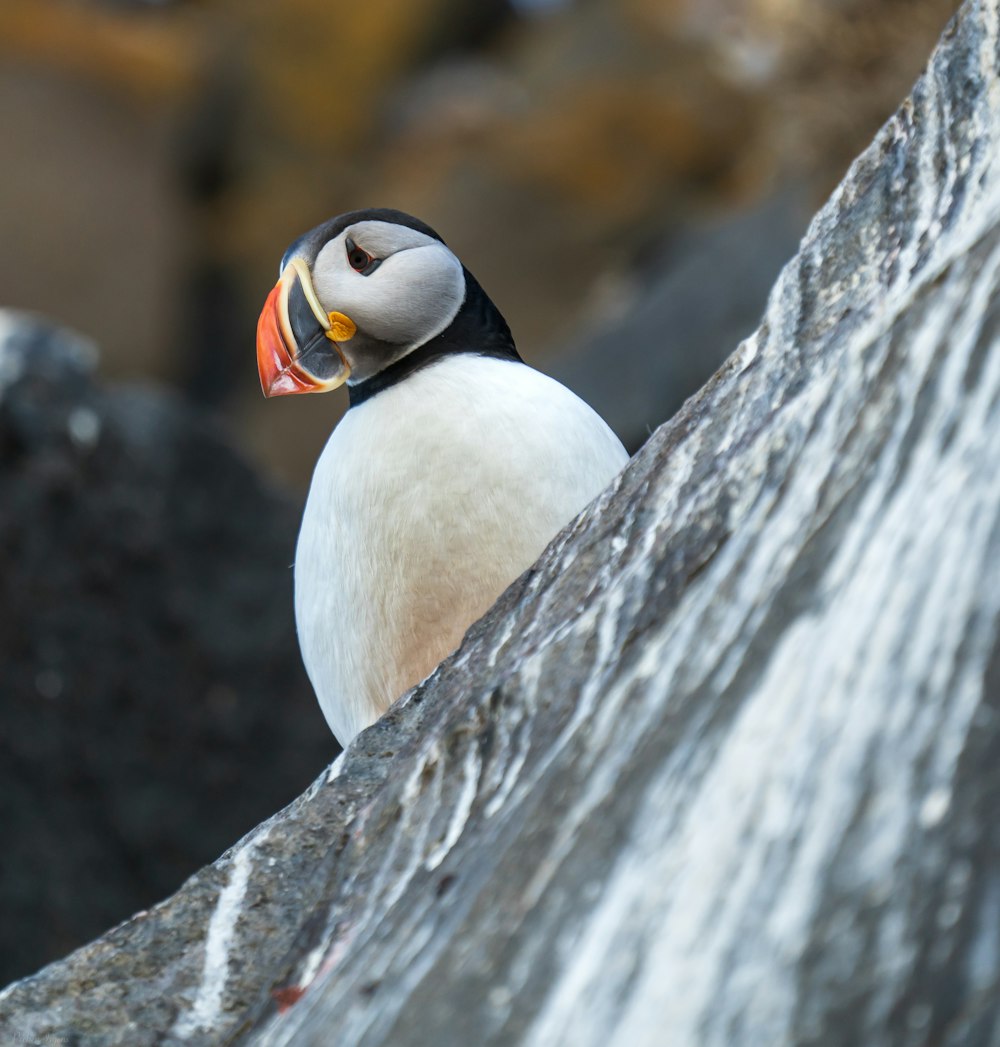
453 467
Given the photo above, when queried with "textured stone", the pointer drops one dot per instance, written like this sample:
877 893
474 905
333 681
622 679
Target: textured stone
154 704
723 767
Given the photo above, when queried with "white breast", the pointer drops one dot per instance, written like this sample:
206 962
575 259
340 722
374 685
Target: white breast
426 503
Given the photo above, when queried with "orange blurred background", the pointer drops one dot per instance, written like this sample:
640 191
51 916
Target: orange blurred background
159 157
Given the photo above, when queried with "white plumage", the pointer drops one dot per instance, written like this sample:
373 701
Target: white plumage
455 466
427 502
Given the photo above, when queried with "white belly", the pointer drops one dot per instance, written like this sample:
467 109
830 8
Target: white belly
426 503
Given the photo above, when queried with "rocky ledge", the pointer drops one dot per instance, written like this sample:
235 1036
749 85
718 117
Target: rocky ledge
724 766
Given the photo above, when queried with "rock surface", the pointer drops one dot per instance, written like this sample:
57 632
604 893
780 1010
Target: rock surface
723 767
154 705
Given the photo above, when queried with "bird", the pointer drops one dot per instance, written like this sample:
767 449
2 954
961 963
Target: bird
453 467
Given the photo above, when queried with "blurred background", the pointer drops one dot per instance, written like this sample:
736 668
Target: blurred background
624 178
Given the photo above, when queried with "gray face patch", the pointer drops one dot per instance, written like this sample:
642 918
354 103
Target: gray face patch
411 296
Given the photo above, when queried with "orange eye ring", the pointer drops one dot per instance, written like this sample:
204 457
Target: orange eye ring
357 257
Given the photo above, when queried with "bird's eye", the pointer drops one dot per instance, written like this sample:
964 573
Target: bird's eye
358 258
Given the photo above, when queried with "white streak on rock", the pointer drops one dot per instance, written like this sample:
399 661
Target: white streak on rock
206 1009
518 747
462 809
813 727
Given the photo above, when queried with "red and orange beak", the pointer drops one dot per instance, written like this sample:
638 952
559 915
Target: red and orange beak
297 340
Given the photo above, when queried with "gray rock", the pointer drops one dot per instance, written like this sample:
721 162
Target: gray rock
148 650
724 766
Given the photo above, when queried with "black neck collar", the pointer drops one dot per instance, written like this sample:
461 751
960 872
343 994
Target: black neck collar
478 328
415 361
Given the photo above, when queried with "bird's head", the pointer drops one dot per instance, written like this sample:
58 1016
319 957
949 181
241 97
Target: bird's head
360 293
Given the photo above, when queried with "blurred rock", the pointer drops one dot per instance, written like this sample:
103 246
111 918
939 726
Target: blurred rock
160 157
91 232
722 768
154 707
824 70
663 333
